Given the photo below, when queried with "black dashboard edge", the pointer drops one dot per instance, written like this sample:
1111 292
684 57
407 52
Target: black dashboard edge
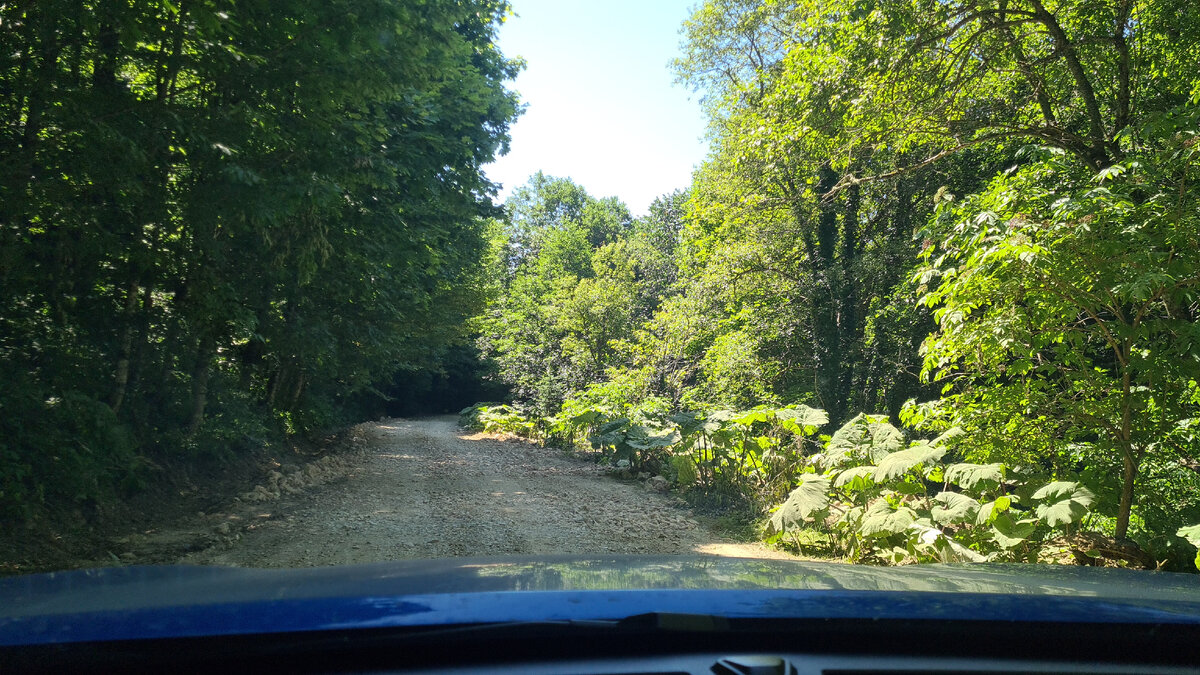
1131 645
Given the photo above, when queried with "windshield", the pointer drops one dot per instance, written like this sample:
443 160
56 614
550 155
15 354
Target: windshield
298 284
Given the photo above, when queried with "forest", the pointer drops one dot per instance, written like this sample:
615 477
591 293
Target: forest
932 296
225 222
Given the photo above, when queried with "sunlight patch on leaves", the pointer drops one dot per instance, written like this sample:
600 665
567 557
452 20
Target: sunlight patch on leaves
899 463
1064 502
809 498
882 518
967 475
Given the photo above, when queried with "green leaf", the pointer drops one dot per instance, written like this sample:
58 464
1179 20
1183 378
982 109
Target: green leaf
1064 502
748 417
687 420
908 487
989 510
899 463
645 438
949 435
856 478
966 475
1191 533
963 554
802 420
1009 533
864 437
809 498
943 547
722 415
610 434
586 418
955 508
618 424
882 519
1109 173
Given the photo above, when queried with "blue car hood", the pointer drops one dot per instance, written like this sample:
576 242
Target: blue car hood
183 601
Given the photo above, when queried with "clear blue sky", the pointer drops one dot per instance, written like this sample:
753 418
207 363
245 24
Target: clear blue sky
602 108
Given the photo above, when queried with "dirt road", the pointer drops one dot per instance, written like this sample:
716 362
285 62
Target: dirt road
425 489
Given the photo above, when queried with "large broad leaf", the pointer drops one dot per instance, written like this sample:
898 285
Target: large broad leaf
908 486
967 475
954 508
724 437
610 426
989 510
856 478
802 420
1191 533
948 436
689 422
643 437
693 422
611 433
960 553
586 417
748 417
809 498
665 437
1063 503
864 437
899 463
946 549
1008 532
882 519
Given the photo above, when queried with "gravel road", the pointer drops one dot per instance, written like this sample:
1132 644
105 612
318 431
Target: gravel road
426 489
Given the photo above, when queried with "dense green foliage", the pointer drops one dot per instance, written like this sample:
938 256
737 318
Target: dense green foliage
221 220
573 276
979 218
866 493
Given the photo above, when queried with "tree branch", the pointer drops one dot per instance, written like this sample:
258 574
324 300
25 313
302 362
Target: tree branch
1086 92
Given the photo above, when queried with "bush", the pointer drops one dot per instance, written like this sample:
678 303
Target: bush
867 492
68 449
500 419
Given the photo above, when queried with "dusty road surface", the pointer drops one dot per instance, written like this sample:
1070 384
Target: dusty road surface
426 489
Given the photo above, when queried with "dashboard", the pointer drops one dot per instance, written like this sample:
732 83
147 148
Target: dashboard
809 647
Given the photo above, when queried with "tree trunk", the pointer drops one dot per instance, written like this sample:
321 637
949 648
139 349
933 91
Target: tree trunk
37 69
1097 157
1129 474
121 380
200 374
825 303
169 350
848 290
1129 459
297 390
142 343
277 380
